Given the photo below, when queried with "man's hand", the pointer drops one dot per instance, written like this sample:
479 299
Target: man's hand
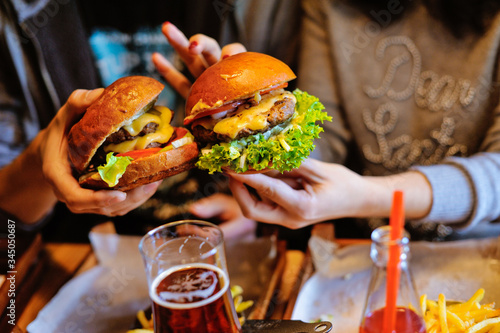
53 154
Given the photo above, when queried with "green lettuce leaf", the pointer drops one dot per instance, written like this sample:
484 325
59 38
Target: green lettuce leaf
259 150
114 168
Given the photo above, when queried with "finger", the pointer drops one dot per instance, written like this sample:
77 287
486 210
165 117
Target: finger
279 192
231 49
313 171
180 43
211 206
253 208
141 194
296 184
206 46
57 172
292 180
235 230
175 78
135 198
82 99
77 103
80 200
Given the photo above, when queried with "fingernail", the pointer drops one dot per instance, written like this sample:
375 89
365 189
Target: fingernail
165 24
225 56
150 188
193 45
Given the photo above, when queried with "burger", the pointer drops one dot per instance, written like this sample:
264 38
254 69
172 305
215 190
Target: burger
124 140
239 110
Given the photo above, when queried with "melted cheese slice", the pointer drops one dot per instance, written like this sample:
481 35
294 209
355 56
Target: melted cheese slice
158 114
137 125
253 118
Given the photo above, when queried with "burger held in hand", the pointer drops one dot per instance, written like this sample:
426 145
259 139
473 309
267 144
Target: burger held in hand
123 140
240 112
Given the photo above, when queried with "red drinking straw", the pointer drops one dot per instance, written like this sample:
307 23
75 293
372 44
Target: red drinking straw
393 269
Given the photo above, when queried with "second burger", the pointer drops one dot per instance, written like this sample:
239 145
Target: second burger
246 121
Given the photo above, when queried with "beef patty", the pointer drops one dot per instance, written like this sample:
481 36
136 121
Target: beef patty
279 113
122 135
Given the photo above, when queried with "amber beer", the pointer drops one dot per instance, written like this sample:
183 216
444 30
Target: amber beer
187 275
193 298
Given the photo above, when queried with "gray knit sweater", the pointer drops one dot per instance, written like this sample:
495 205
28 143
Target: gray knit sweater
405 94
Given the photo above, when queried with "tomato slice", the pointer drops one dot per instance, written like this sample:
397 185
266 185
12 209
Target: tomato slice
180 132
136 154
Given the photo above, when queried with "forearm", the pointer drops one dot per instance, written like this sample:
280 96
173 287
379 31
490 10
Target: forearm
24 192
417 194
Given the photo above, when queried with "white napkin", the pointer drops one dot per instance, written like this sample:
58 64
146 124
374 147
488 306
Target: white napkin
456 269
333 261
105 298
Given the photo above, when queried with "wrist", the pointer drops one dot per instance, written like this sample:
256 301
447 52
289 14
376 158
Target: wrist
417 193
26 186
378 197
34 151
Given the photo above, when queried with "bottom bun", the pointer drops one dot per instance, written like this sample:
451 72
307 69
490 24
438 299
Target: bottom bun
148 169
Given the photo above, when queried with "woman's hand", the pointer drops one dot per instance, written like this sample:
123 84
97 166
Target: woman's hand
198 53
319 191
314 192
234 225
53 154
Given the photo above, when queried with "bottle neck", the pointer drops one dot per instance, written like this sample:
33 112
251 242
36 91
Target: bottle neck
381 243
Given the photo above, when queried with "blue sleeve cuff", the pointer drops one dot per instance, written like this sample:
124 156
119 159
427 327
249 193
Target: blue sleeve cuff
466 191
452 194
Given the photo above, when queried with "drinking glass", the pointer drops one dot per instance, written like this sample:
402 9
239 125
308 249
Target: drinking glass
187 276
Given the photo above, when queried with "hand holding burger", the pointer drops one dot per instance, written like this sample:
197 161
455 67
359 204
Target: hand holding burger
124 140
42 175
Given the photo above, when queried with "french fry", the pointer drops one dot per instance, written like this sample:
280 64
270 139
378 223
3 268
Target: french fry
463 317
483 326
141 316
495 329
455 320
423 303
442 314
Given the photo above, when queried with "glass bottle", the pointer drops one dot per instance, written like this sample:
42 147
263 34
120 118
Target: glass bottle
408 313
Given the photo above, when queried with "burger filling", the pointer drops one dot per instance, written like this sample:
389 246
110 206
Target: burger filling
256 115
151 129
148 134
282 147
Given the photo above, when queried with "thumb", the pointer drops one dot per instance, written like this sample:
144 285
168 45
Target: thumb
78 102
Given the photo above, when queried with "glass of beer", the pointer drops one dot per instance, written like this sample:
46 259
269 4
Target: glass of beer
188 280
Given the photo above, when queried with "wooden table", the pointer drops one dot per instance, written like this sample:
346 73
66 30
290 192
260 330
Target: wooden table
40 272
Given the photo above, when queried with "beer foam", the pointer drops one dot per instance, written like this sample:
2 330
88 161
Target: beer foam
199 286
191 289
